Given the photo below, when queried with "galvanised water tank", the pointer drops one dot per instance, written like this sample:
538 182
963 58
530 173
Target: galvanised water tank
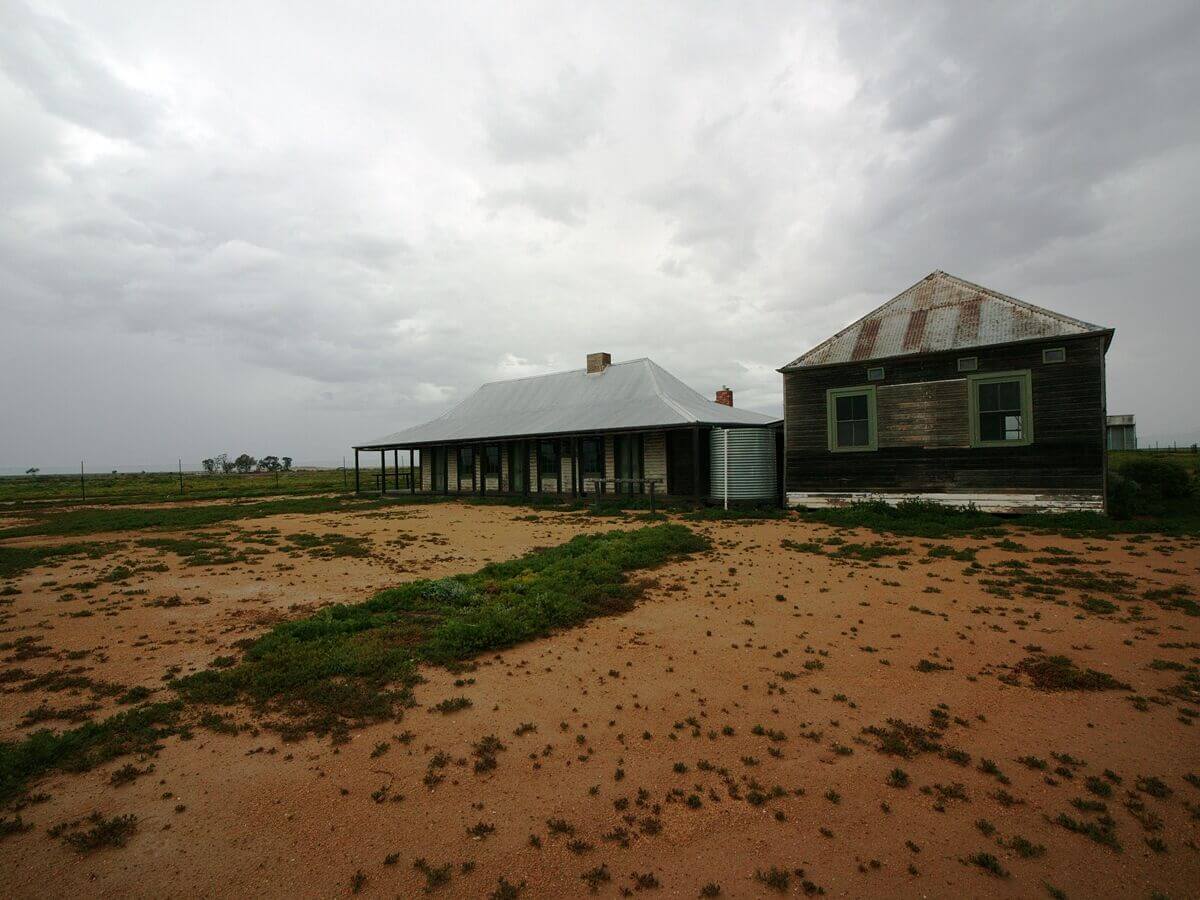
748 455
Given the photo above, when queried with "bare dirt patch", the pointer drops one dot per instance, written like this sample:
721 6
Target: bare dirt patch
801 709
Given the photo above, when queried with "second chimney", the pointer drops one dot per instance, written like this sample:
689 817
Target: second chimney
598 362
725 396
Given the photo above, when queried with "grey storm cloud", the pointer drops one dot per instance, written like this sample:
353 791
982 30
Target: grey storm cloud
287 227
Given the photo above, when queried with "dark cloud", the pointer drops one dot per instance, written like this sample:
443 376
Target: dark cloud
218 232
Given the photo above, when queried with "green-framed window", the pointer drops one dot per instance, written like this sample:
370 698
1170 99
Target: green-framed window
1001 409
852 420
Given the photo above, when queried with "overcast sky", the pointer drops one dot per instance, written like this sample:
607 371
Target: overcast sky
283 228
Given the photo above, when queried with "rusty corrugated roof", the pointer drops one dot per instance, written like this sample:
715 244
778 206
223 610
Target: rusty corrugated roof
938 313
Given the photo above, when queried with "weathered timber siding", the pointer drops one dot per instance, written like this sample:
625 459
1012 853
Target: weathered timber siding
923 414
654 459
923 420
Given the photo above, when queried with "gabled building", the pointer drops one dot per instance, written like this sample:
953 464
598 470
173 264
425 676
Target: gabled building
570 433
955 393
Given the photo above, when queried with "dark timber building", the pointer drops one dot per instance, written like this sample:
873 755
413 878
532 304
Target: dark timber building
569 433
954 393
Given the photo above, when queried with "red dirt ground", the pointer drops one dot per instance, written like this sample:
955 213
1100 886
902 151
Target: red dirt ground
638 713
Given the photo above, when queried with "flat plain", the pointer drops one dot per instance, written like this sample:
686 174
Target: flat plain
785 708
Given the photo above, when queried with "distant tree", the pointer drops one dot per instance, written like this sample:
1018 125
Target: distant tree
210 465
244 462
287 464
270 463
224 463
33 471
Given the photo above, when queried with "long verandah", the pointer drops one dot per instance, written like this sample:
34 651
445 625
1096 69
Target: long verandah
573 465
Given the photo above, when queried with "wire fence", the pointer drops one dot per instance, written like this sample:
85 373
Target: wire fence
114 485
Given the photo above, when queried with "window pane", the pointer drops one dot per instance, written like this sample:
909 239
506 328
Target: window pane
549 457
590 451
845 408
991 426
989 397
1012 428
852 420
1010 394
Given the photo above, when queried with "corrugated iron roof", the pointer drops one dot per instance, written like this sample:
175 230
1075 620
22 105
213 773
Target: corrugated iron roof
635 394
941 312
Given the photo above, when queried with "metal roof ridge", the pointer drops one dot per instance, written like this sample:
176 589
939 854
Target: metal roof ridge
650 367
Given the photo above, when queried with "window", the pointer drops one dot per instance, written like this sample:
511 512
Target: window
548 459
968 363
1001 409
591 457
491 460
851 418
1054 355
466 464
875 374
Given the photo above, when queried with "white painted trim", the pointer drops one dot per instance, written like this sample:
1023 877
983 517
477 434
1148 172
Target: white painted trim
994 503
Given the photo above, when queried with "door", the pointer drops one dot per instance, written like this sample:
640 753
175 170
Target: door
438 469
518 467
627 459
682 473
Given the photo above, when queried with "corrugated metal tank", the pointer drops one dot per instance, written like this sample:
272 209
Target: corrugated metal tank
751 454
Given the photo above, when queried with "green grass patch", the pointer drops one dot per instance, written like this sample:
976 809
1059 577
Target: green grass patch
206 551
142 487
329 545
79 749
350 664
355 663
1059 673
181 518
912 518
16 561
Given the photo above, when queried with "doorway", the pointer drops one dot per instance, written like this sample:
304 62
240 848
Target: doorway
628 460
518 467
438 470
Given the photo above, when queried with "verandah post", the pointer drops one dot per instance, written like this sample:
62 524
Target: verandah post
357 489
574 467
412 472
382 472
696 466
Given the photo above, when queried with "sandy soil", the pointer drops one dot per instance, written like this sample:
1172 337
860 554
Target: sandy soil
643 722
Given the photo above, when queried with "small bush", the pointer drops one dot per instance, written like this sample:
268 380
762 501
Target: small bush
1158 479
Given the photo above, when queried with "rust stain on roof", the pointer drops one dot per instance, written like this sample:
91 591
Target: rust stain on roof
915 330
865 344
966 331
940 313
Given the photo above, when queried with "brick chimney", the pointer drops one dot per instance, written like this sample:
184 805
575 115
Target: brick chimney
725 396
598 362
